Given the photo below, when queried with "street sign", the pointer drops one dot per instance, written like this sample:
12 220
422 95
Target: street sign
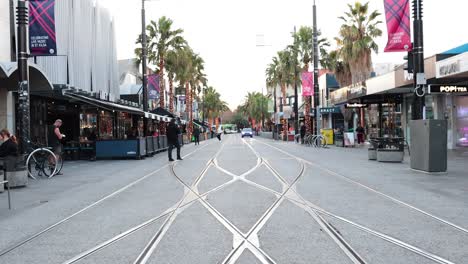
332 110
447 88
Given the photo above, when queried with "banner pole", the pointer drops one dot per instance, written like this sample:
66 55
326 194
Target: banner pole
316 72
23 75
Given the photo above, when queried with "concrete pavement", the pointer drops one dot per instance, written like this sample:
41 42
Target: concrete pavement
241 201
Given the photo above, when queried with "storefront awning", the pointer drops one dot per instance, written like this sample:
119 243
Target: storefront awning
38 80
111 106
163 112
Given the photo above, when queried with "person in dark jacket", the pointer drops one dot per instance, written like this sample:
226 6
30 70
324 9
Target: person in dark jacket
360 133
302 132
9 146
173 132
196 135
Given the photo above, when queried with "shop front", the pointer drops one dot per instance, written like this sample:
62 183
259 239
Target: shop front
452 77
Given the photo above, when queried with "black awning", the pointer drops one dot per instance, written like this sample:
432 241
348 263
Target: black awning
111 106
163 112
197 122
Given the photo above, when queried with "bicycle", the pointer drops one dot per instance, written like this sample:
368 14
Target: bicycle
320 141
42 161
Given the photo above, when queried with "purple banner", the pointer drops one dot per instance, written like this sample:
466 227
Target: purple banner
397 13
42 37
307 84
153 86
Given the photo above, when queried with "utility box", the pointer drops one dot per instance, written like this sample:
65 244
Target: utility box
428 146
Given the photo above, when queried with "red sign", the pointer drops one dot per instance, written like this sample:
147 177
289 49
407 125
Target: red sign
397 13
307 84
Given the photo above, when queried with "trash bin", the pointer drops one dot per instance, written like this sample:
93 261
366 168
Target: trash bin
429 145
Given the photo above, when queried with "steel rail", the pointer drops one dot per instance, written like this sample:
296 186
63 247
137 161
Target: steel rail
66 219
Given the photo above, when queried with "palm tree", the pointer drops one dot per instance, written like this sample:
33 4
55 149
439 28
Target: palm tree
356 41
303 43
162 38
214 106
255 106
171 64
339 67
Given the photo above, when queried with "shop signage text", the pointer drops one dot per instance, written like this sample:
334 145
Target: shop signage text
356 105
327 110
448 89
356 91
449 69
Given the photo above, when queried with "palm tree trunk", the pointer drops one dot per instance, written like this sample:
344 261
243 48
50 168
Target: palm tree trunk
308 122
161 83
188 110
171 95
285 121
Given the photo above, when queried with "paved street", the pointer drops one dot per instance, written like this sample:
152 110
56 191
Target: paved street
240 201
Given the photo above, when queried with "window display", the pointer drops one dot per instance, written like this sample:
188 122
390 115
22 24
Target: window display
462 121
88 124
106 125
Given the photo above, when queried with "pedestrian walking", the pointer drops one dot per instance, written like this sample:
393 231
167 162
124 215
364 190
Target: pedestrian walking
219 132
173 132
55 138
302 132
196 135
360 134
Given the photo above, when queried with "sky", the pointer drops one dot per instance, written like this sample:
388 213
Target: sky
224 33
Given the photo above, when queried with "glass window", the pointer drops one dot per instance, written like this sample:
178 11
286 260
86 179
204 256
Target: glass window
88 124
106 126
462 121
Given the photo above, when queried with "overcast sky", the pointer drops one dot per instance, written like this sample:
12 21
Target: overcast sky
225 33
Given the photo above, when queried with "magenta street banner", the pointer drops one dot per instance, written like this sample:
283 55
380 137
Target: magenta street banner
153 86
397 13
42 38
307 84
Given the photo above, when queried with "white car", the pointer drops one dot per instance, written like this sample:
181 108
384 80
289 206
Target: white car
247 132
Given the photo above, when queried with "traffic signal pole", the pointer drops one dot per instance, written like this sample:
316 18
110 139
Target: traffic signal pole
417 112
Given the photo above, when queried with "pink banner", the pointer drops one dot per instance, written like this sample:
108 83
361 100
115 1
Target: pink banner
397 13
307 84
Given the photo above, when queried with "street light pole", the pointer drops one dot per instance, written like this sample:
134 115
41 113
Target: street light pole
144 55
418 53
275 130
296 106
23 75
316 72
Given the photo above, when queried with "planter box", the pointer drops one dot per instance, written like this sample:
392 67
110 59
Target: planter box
389 155
372 153
109 149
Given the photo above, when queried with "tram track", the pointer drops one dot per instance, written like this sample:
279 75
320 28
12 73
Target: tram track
313 209
370 189
238 235
92 205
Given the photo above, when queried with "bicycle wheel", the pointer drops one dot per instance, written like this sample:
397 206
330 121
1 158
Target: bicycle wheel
37 162
57 168
320 142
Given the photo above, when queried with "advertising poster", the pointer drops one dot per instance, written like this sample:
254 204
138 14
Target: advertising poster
349 139
307 84
397 14
153 86
42 37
